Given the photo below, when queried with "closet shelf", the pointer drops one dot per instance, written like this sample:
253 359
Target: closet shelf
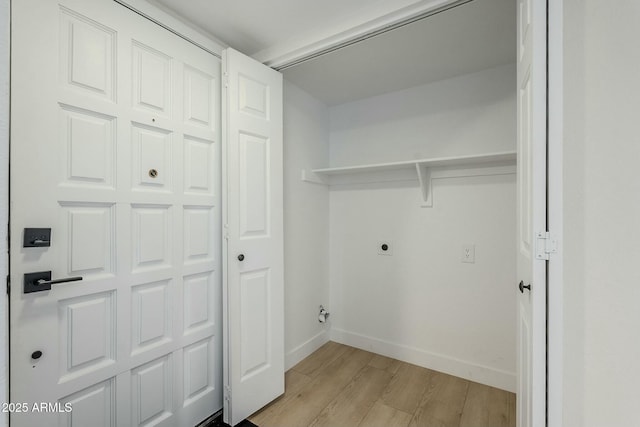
474 160
425 169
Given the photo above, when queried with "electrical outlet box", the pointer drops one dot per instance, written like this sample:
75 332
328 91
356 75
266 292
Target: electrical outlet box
385 247
469 253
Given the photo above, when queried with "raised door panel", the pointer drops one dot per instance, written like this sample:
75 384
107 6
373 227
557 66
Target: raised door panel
524 26
199 98
254 186
199 375
151 315
151 237
198 158
524 166
87 331
151 158
524 363
87 55
151 392
93 406
151 80
253 97
89 233
255 323
198 232
199 311
88 148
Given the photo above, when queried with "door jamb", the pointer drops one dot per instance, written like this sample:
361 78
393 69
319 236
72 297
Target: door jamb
5 120
555 212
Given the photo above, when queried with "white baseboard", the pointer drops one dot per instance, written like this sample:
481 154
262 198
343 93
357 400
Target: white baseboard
438 362
294 356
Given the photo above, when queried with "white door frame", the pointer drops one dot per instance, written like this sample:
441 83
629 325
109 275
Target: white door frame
555 188
5 64
555 373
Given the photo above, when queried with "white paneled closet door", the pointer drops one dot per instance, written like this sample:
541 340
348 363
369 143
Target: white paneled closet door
253 218
532 209
116 148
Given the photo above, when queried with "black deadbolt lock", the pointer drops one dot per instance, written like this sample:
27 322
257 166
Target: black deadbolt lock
36 238
241 257
384 247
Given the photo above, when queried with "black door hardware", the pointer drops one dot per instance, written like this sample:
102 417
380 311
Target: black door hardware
36 238
522 287
241 257
41 281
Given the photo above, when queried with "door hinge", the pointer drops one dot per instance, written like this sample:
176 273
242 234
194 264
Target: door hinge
225 79
227 393
8 285
545 245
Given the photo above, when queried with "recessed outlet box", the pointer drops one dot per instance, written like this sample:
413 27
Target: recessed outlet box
469 253
385 247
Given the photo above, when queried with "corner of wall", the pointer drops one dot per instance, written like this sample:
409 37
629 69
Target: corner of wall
297 354
469 370
306 222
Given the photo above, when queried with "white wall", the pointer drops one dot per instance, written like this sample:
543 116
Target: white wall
602 213
306 223
471 114
4 199
422 304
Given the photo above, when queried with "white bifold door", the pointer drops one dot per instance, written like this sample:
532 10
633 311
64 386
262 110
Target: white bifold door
115 147
253 227
532 208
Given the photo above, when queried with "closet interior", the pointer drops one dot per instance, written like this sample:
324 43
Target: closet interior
400 195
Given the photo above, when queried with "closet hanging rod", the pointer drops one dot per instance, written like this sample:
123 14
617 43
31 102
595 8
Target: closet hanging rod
371 34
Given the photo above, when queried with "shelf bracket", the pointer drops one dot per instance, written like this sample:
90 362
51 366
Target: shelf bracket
426 188
313 178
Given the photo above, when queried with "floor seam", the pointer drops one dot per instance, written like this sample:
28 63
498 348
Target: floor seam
340 391
464 404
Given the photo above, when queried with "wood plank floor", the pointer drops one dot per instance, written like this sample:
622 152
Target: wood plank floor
342 386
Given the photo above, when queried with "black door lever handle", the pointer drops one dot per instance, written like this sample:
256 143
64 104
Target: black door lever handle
41 281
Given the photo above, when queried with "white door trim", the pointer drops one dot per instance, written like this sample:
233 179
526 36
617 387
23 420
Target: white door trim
555 213
5 37
170 20
348 31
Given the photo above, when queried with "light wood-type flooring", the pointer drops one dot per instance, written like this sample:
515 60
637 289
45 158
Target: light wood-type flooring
342 386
